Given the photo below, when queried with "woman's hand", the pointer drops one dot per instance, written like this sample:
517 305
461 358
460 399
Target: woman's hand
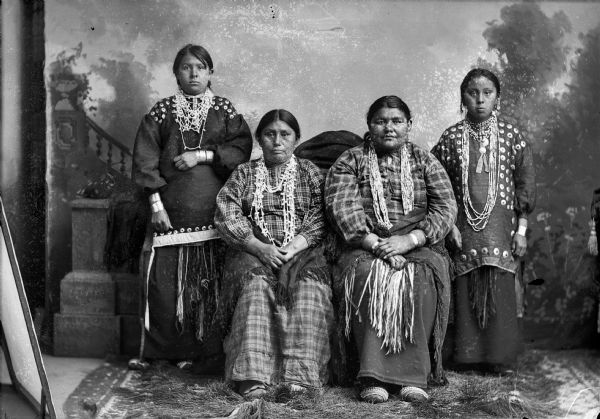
393 246
270 255
454 238
294 247
519 245
186 160
397 261
161 222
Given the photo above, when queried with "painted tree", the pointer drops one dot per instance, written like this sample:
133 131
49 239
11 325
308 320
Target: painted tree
133 94
531 56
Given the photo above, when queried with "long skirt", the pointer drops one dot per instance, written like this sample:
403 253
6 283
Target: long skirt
412 365
167 338
272 342
499 342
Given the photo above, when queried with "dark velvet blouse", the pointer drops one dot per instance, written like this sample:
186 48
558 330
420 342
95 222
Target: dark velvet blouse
189 196
516 193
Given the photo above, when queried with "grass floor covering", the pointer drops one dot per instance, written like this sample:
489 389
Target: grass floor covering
163 391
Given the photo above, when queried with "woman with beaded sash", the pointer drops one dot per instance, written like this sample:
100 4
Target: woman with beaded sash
276 284
391 205
491 168
185 148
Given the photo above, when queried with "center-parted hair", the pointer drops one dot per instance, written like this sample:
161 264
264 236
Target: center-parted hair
388 102
475 74
277 115
197 51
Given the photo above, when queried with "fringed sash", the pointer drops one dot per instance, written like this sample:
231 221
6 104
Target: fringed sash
482 290
391 306
189 287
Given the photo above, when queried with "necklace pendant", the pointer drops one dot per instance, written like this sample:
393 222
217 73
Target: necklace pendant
482 149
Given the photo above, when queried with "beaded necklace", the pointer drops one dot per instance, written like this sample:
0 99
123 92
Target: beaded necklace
287 185
485 134
406 183
481 133
192 117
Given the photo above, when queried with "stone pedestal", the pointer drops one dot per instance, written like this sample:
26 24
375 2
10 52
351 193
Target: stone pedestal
98 309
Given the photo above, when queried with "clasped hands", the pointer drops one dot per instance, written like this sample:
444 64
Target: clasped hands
391 249
273 256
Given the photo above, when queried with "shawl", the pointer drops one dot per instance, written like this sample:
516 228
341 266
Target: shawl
433 256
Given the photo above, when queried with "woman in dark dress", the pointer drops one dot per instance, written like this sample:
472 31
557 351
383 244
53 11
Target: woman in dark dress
186 147
391 205
490 166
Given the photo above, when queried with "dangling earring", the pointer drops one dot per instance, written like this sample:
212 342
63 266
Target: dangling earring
497 106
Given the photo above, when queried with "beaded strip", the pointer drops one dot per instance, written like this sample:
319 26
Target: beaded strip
406 182
192 118
479 219
287 185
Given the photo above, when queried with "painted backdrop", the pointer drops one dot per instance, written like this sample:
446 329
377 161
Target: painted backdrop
326 61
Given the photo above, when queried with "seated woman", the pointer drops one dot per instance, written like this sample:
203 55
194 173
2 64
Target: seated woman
276 283
391 204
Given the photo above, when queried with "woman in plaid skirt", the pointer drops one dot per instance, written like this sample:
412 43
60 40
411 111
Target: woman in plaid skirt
276 284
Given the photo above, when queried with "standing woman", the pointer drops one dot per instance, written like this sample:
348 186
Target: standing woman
391 204
186 147
276 284
491 168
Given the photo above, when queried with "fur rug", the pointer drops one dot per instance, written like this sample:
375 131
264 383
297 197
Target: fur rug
545 384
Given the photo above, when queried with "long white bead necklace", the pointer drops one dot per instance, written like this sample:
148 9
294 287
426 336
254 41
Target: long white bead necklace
192 118
406 183
287 185
479 219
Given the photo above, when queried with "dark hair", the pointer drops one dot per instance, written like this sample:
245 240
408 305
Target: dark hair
388 102
277 115
195 50
474 74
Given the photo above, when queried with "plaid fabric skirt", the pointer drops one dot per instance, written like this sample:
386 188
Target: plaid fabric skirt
268 342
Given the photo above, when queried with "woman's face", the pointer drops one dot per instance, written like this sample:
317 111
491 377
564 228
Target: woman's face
277 141
193 75
479 98
389 129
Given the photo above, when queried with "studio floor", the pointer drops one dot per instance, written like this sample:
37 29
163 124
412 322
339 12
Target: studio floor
575 373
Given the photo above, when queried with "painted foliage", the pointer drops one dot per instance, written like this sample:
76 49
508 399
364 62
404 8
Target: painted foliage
326 61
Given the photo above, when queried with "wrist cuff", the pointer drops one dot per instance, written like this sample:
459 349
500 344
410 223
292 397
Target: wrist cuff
522 230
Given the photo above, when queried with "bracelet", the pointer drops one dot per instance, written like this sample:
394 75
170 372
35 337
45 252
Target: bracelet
414 239
157 207
155 197
522 230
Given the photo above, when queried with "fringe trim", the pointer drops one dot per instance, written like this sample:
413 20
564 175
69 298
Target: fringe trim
198 284
285 295
482 294
391 303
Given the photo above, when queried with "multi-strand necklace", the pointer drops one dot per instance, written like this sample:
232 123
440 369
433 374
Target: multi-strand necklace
406 183
191 114
481 132
286 185
485 134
